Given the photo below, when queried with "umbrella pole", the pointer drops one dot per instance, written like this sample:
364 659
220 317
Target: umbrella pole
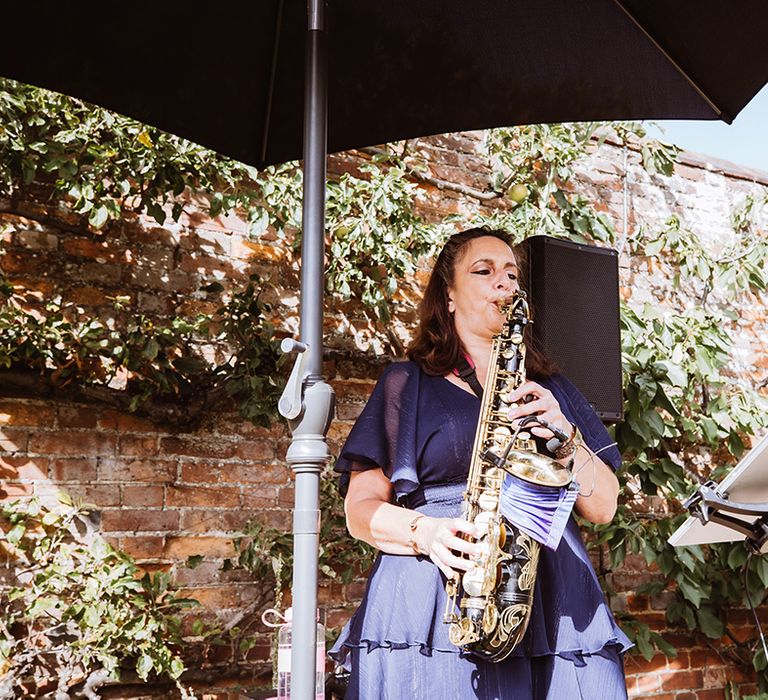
308 452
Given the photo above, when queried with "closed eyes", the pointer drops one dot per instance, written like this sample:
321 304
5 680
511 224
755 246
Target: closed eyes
484 271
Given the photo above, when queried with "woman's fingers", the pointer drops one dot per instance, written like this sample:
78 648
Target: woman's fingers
460 525
446 546
542 405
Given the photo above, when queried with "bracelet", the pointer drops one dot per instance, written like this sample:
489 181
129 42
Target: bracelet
413 525
568 448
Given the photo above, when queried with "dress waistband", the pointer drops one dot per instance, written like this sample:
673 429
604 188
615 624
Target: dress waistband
448 494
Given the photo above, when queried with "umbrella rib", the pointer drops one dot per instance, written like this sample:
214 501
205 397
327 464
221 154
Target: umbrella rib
721 114
271 87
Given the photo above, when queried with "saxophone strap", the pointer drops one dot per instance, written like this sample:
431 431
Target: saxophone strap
465 370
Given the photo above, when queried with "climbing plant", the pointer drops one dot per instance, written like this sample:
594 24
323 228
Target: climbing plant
688 419
74 612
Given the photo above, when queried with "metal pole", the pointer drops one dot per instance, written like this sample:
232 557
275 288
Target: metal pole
308 452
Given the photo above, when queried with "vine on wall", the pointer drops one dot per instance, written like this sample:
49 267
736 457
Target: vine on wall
74 612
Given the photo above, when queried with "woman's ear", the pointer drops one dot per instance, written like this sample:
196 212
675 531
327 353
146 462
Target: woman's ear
451 306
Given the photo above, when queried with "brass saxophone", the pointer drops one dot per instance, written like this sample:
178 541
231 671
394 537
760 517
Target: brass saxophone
496 597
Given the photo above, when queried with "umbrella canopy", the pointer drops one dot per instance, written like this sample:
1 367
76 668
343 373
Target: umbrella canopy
231 76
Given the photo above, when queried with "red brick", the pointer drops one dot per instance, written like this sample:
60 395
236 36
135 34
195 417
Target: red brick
637 603
218 598
17 413
233 473
95 250
24 264
210 547
712 694
143 495
705 657
23 468
132 446
206 520
263 497
77 417
73 469
210 449
108 420
265 473
681 662
9 491
103 496
144 520
100 273
137 470
256 451
127 423
714 676
280 519
349 411
148 547
232 424
37 240
285 499
87 296
84 444
202 496
13 440
635 663
681 680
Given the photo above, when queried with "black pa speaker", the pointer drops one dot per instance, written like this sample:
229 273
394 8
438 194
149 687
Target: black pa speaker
574 295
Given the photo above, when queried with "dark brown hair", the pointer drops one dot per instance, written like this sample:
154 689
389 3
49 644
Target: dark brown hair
436 345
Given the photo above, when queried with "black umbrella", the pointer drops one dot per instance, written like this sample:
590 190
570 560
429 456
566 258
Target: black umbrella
231 77
230 74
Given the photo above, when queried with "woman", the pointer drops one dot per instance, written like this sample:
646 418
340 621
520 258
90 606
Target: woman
405 467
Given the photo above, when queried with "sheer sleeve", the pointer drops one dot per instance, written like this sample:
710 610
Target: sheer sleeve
577 409
385 433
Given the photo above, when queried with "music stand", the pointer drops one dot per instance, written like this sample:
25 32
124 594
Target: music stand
733 510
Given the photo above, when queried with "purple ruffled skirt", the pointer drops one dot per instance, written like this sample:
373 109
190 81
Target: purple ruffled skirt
396 644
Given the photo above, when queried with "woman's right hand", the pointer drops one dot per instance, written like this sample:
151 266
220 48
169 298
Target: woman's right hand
438 538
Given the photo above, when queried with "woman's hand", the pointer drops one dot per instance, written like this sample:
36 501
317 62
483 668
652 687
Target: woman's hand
373 518
439 539
541 404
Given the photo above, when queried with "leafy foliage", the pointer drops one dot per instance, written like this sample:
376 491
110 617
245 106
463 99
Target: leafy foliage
687 420
146 359
534 165
107 166
74 612
375 237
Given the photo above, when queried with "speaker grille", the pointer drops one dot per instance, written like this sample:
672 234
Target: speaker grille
574 291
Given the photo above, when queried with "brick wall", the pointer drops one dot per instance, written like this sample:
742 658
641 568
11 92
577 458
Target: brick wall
164 494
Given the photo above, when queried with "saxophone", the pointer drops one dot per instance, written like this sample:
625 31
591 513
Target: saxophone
496 597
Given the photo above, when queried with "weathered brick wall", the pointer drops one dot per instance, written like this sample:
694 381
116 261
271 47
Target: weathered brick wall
165 494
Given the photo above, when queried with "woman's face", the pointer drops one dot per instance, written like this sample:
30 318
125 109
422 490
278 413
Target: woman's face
483 277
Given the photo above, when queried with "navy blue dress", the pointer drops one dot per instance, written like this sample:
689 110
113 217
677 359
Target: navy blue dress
420 430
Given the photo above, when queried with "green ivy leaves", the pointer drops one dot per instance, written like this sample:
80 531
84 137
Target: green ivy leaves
148 360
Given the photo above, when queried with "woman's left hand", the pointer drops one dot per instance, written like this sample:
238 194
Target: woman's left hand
542 404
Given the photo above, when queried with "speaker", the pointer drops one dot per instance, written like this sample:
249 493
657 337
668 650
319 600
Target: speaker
574 294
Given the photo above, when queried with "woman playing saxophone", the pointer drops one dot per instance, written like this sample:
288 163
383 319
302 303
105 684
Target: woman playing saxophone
405 467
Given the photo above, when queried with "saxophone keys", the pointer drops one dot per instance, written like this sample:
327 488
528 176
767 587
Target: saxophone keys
474 582
484 519
488 501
